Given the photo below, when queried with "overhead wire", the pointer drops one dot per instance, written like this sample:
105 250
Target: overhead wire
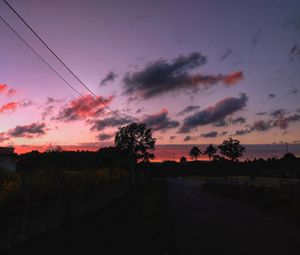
59 59
39 56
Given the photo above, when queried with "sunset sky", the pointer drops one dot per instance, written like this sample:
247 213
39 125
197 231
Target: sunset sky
196 72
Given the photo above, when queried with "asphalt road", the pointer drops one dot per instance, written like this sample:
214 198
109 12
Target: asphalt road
207 224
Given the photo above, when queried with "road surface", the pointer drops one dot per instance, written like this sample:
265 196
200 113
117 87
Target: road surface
206 224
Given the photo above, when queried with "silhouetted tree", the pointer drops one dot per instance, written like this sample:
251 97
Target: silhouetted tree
136 140
195 152
57 148
232 149
210 151
183 159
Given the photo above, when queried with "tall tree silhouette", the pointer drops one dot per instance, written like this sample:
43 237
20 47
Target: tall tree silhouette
210 151
136 140
232 149
195 152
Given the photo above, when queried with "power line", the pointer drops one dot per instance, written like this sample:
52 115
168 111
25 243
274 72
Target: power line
40 57
46 45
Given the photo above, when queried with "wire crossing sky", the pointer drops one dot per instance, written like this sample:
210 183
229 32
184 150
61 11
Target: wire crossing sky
196 72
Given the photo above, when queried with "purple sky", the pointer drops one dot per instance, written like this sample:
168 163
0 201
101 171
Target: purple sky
194 71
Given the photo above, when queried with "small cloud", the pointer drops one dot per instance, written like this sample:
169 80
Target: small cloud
271 96
11 92
283 122
294 52
261 113
189 138
256 37
172 138
211 134
226 54
110 77
3 137
232 79
239 120
105 137
278 113
188 109
51 100
293 90
9 107
242 132
224 133
3 88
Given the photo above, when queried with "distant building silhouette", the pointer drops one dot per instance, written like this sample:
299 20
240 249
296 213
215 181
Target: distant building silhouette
7 159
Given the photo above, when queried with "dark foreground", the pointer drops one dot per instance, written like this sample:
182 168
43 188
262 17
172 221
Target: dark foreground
178 219
136 224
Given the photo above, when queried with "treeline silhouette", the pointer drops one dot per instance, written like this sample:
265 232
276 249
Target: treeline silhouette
287 166
59 160
112 157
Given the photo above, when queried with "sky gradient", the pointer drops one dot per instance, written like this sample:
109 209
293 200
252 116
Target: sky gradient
196 72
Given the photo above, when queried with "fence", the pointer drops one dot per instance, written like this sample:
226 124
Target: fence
30 217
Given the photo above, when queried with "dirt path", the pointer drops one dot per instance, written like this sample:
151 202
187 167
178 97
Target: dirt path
206 224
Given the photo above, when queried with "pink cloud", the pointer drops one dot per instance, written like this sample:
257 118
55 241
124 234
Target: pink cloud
83 107
3 87
12 106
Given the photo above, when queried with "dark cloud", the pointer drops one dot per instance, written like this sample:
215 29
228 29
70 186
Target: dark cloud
188 109
26 103
256 37
140 110
261 113
3 137
172 137
48 110
278 113
28 131
242 132
83 107
99 125
284 122
189 138
221 123
51 100
239 120
261 125
209 134
105 137
226 54
161 77
160 121
110 77
294 52
224 133
293 90
215 113
271 95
